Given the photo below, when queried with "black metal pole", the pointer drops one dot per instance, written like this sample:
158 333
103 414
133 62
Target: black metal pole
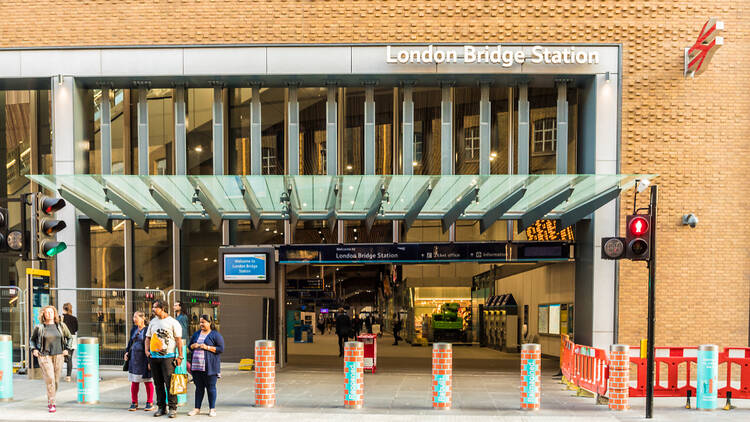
651 306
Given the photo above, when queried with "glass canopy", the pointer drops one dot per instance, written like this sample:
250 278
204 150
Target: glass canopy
527 198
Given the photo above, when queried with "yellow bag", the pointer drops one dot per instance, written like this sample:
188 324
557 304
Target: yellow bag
178 384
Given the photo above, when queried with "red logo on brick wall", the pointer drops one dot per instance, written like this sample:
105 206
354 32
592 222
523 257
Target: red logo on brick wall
699 55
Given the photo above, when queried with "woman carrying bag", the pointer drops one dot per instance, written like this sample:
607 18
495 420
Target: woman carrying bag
137 365
205 345
50 343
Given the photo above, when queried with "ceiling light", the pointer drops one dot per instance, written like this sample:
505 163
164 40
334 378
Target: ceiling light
199 149
348 166
414 164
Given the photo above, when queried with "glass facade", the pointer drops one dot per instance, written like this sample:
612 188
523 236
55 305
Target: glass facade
25 127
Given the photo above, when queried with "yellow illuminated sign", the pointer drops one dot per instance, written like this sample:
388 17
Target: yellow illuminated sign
36 271
543 230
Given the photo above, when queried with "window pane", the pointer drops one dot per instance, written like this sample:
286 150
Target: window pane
107 254
466 129
200 270
427 130
95 141
117 119
270 232
160 131
543 134
239 130
273 106
199 123
384 130
152 256
499 130
312 130
352 145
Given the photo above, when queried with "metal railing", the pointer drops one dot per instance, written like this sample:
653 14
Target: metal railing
106 313
12 319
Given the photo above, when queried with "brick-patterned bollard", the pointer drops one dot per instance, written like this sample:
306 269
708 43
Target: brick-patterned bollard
442 376
265 373
619 376
354 389
531 372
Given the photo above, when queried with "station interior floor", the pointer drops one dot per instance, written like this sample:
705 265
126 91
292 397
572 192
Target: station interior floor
322 354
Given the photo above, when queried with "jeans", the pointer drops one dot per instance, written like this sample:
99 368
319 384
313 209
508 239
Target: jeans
162 370
342 340
69 362
205 382
51 369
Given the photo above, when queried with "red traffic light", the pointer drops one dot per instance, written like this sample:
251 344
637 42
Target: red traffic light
638 226
50 205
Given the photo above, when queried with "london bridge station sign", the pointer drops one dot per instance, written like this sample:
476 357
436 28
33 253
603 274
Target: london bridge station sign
505 56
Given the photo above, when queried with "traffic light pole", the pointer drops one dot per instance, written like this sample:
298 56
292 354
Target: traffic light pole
651 307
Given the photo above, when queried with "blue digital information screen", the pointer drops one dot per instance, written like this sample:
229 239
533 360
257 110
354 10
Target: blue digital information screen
248 267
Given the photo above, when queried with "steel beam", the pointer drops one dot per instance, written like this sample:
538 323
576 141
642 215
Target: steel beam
167 203
500 207
459 206
416 205
251 202
542 207
127 205
573 215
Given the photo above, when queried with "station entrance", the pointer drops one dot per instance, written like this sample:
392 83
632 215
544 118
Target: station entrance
472 295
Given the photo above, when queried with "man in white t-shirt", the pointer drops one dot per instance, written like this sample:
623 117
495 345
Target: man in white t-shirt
164 351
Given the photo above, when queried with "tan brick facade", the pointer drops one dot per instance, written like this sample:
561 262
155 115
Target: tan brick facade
693 132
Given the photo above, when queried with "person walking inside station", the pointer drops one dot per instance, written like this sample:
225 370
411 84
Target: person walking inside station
343 330
50 343
138 368
164 339
205 345
72 323
397 325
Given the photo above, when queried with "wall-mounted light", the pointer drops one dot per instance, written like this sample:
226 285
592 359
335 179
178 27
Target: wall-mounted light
607 76
60 79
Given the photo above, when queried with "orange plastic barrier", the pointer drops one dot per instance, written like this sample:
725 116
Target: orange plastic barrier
584 367
736 356
673 358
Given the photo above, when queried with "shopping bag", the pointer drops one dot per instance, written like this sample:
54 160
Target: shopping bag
178 384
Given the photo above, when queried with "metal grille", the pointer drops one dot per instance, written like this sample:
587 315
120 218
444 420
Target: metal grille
107 315
11 318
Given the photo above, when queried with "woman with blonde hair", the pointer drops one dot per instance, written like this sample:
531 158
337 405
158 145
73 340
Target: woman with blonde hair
50 343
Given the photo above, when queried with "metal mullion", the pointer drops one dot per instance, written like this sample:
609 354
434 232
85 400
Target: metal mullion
523 129
562 128
256 146
143 131
485 114
105 132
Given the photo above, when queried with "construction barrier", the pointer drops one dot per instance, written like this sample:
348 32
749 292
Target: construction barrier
531 376
584 368
6 367
442 376
619 376
739 356
265 373
673 359
354 389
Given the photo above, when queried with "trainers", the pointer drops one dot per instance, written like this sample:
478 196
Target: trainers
194 412
160 412
212 413
172 413
133 407
67 379
52 408
149 407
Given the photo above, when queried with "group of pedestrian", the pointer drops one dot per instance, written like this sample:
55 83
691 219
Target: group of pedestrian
153 351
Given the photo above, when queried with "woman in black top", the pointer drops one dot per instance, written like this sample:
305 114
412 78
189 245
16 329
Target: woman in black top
50 342
72 323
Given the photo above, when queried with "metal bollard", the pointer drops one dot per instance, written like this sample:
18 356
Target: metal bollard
531 371
354 389
707 370
265 373
6 367
619 376
88 370
442 376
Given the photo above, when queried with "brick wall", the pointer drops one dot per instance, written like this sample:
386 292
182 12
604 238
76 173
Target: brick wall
693 132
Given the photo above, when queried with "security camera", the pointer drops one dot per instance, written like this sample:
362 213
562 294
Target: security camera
689 220
642 185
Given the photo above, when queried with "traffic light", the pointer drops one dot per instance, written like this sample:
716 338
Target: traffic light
638 237
3 229
48 227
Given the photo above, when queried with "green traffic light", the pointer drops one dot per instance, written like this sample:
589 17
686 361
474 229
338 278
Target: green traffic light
53 248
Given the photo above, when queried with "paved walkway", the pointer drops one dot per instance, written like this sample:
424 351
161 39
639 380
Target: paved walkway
311 389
